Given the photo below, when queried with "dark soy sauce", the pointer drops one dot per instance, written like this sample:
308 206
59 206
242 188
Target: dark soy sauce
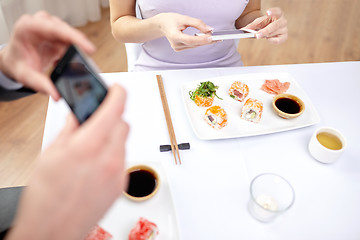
287 105
141 183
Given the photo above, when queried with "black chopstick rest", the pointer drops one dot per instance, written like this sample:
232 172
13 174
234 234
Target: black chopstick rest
181 146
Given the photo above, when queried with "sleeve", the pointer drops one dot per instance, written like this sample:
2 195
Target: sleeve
9 84
6 82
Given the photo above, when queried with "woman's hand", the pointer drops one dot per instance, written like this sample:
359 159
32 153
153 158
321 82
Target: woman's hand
36 43
172 26
273 26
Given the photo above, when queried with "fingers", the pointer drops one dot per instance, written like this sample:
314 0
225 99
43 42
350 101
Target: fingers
70 126
270 29
278 39
114 149
101 123
52 27
277 32
275 12
117 147
274 26
197 23
193 41
38 81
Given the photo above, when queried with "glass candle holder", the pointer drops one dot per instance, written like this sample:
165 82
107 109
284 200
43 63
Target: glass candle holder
270 195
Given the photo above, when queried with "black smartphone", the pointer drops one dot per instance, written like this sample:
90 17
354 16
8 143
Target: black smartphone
79 83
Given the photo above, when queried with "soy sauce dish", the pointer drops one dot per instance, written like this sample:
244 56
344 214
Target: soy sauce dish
143 183
288 106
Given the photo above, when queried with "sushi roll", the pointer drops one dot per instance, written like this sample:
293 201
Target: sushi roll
239 91
144 230
204 94
204 101
98 233
252 110
216 117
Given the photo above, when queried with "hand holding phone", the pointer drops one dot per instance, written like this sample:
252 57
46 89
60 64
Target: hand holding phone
79 83
231 34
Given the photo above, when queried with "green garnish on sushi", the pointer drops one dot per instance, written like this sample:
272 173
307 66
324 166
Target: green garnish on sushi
205 89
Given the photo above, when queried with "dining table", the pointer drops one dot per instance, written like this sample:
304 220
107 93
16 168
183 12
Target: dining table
209 192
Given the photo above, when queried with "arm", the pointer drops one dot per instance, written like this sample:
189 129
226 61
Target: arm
10 95
127 28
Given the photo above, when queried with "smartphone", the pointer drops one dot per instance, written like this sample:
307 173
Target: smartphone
231 34
78 82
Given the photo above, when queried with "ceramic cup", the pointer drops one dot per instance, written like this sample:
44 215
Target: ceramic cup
327 144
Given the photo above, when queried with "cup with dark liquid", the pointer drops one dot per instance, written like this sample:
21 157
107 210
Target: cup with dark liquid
143 184
327 144
288 106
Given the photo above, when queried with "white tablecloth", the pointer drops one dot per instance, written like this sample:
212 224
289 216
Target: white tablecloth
211 187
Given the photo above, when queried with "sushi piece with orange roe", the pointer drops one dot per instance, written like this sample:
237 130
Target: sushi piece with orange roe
252 110
204 94
216 117
239 91
204 101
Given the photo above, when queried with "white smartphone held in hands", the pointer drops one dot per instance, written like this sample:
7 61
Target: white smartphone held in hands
231 34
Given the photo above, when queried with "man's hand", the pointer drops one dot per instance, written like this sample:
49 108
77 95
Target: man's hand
78 177
36 43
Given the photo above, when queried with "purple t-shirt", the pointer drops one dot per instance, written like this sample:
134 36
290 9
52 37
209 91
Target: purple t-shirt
219 14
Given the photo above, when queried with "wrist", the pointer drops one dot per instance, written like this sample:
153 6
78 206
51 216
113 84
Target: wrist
158 23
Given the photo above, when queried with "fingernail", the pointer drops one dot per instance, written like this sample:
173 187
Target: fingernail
210 29
268 12
259 35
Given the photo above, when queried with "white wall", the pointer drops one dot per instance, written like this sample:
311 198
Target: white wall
75 12
4 33
10 10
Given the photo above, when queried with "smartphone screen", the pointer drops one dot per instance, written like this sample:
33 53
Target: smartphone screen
79 84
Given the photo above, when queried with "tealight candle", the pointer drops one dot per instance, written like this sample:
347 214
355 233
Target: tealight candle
267 202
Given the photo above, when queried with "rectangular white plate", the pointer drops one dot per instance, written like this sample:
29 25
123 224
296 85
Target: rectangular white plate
270 122
159 209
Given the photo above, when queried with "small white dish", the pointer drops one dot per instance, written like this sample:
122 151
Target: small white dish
159 209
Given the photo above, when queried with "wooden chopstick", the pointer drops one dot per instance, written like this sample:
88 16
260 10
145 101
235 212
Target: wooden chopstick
174 146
